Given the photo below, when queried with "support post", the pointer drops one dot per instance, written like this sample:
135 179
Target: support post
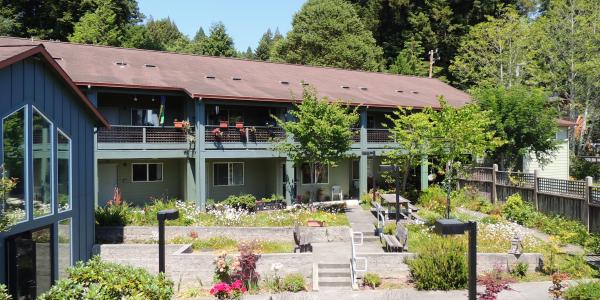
161 245
397 175
424 173
200 159
536 174
362 167
494 193
585 206
289 181
472 228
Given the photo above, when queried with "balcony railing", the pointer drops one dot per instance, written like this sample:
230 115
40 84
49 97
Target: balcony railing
141 134
246 134
356 135
379 136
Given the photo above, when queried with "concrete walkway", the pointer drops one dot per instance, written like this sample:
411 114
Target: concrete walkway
520 291
362 221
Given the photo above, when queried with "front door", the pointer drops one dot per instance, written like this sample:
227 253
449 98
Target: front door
107 181
29 263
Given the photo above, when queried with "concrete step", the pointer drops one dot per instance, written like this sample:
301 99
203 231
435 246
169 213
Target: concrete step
330 274
334 279
334 266
345 285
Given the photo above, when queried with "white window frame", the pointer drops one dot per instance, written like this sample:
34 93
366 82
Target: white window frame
309 183
59 132
53 181
230 173
147 164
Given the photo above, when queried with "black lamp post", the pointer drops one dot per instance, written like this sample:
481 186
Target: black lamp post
396 173
169 214
371 153
453 227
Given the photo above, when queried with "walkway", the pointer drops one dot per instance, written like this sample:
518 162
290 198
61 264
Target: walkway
362 221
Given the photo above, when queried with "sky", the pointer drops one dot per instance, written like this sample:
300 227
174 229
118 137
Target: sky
245 20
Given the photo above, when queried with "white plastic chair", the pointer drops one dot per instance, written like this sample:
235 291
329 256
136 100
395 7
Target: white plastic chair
337 190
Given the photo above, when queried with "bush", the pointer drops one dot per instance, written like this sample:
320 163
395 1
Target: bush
113 214
246 270
434 198
293 283
246 201
583 291
371 280
519 270
273 198
441 265
100 280
516 210
4 293
389 228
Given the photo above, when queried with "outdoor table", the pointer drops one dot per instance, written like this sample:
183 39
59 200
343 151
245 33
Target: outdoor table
389 200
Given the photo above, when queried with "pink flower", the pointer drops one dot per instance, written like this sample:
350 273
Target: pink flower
237 284
219 288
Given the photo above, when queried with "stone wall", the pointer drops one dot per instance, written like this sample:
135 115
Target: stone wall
131 234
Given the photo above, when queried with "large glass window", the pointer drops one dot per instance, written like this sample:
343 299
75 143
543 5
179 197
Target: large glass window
64 171
230 173
144 117
146 172
321 173
42 165
64 247
14 203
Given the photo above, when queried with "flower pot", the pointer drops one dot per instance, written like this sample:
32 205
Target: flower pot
239 125
178 124
223 124
315 223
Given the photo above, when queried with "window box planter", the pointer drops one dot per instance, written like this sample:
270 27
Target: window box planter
178 124
223 124
239 125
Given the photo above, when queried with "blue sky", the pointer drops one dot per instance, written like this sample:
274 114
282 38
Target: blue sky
245 20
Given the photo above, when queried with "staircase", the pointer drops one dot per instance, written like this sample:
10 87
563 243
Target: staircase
334 276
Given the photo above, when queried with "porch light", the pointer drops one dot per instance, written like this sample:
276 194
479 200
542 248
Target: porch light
516 246
454 227
162 216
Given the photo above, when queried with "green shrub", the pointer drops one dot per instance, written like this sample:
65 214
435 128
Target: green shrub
519 270
389 228
4 293
100 280
434 199
371 280
293 283
273 198
583 291
113 214
441 265
245 201
516 210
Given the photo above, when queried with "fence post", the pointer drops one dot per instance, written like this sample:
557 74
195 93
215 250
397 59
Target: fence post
585 206
535 189
494 193
144 135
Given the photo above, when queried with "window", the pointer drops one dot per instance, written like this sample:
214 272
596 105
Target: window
228 173
64 171
64 247
42 165
320 172
146 172
144 117
13 137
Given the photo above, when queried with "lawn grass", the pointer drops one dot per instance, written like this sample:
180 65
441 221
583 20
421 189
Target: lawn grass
230 245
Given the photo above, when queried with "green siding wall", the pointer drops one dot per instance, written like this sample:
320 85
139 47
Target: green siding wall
340 175
259 178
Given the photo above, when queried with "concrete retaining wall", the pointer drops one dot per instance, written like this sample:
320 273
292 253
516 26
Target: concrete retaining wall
129 234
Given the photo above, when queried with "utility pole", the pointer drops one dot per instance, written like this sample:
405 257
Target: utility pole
433 57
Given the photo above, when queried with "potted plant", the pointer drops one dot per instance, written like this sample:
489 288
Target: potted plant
239 124
217 132
178 124
223 124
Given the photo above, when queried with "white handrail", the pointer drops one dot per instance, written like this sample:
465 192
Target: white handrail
353 259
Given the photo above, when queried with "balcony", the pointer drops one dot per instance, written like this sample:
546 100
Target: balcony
245 134
143 137
379 136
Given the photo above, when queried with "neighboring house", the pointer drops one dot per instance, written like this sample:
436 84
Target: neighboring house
229 103
559 165
47 145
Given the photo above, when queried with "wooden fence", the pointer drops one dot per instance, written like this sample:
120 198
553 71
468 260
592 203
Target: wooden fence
573 199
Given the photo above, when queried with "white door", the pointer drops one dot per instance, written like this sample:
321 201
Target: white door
107 180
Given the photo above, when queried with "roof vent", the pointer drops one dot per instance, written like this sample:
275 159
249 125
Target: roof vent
414 92
210 77
149 66
57 58
304 83
121 63
399 91
363 88
345 87
236 78
284 82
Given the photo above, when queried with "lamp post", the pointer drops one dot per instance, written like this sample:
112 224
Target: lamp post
453 227
169 214
396 171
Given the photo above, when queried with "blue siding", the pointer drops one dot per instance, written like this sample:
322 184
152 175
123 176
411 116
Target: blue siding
32 82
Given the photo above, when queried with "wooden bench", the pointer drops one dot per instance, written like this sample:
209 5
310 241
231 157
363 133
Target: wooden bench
302 239
397 242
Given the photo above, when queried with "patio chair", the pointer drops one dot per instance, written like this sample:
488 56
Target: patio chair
336 190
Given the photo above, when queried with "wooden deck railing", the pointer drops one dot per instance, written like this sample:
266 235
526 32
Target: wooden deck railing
375 135
142 134
251 134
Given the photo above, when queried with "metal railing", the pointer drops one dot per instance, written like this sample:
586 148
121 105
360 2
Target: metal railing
142 134
375 135
353 259
356 135
252 134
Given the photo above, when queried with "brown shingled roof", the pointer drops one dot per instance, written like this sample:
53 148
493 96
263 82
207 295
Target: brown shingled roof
213 77
10 54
